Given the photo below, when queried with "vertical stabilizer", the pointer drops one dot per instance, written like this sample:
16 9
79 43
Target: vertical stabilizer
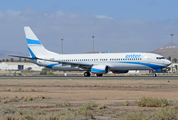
36 49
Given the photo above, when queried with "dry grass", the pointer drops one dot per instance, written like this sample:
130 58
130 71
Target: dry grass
6 100
66 103
103 106
30 98
30 90
86 109
126 103
5 89
112 99
13 113
152 102
134 116
167 113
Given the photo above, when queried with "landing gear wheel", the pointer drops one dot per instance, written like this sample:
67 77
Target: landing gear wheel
99 75
154 75
87 74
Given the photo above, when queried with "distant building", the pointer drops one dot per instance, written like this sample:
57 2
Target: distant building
139 71
19 66
174 66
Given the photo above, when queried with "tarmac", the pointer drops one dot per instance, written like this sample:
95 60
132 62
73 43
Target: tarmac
91 77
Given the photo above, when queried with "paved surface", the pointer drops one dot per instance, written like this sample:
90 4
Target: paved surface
92 77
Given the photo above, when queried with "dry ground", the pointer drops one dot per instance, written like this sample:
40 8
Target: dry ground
112 93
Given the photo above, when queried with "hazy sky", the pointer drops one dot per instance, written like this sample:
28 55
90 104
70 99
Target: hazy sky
118 25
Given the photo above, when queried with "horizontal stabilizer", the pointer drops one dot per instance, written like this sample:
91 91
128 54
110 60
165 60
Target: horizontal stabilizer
28 57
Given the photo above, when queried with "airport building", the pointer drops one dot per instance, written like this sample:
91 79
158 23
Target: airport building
174 66
19 66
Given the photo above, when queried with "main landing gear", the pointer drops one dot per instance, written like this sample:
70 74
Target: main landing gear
99 75
87 74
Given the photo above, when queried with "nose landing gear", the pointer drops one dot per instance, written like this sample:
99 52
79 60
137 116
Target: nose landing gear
154 75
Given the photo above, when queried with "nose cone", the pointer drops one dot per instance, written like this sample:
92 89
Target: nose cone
167 63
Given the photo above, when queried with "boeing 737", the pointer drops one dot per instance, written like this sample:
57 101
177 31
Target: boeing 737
99 64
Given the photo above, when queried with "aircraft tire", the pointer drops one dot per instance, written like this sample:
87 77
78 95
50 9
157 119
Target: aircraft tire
155 75
86 74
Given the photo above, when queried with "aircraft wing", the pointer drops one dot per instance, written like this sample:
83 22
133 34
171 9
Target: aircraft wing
82 65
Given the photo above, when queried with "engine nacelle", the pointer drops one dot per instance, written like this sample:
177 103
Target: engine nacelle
120 71
99 69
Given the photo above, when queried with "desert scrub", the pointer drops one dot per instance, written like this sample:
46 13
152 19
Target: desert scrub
103 106
19 74
167 113
135 116
50 73
30 90
42 97
13 113
152 102
85 110
92 104
99 114
120 113
4 101
8 110
19 90
30 98
66 103
15 100
126 103
43 73
4 89
58 105
63 104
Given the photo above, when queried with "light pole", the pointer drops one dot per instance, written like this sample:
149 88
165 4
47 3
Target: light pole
171 50
93 43
62 46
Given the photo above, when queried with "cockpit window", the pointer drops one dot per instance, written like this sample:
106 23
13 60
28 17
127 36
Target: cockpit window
160 58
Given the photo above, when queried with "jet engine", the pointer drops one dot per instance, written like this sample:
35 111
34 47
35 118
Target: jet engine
99 69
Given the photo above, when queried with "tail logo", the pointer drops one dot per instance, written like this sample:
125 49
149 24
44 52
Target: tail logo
32 54
34 42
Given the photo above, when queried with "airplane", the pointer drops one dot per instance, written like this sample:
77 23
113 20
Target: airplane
98 63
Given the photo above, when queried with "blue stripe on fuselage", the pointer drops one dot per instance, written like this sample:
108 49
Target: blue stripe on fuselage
52 65
146 64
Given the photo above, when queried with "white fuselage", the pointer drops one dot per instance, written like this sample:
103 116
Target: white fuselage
114 61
